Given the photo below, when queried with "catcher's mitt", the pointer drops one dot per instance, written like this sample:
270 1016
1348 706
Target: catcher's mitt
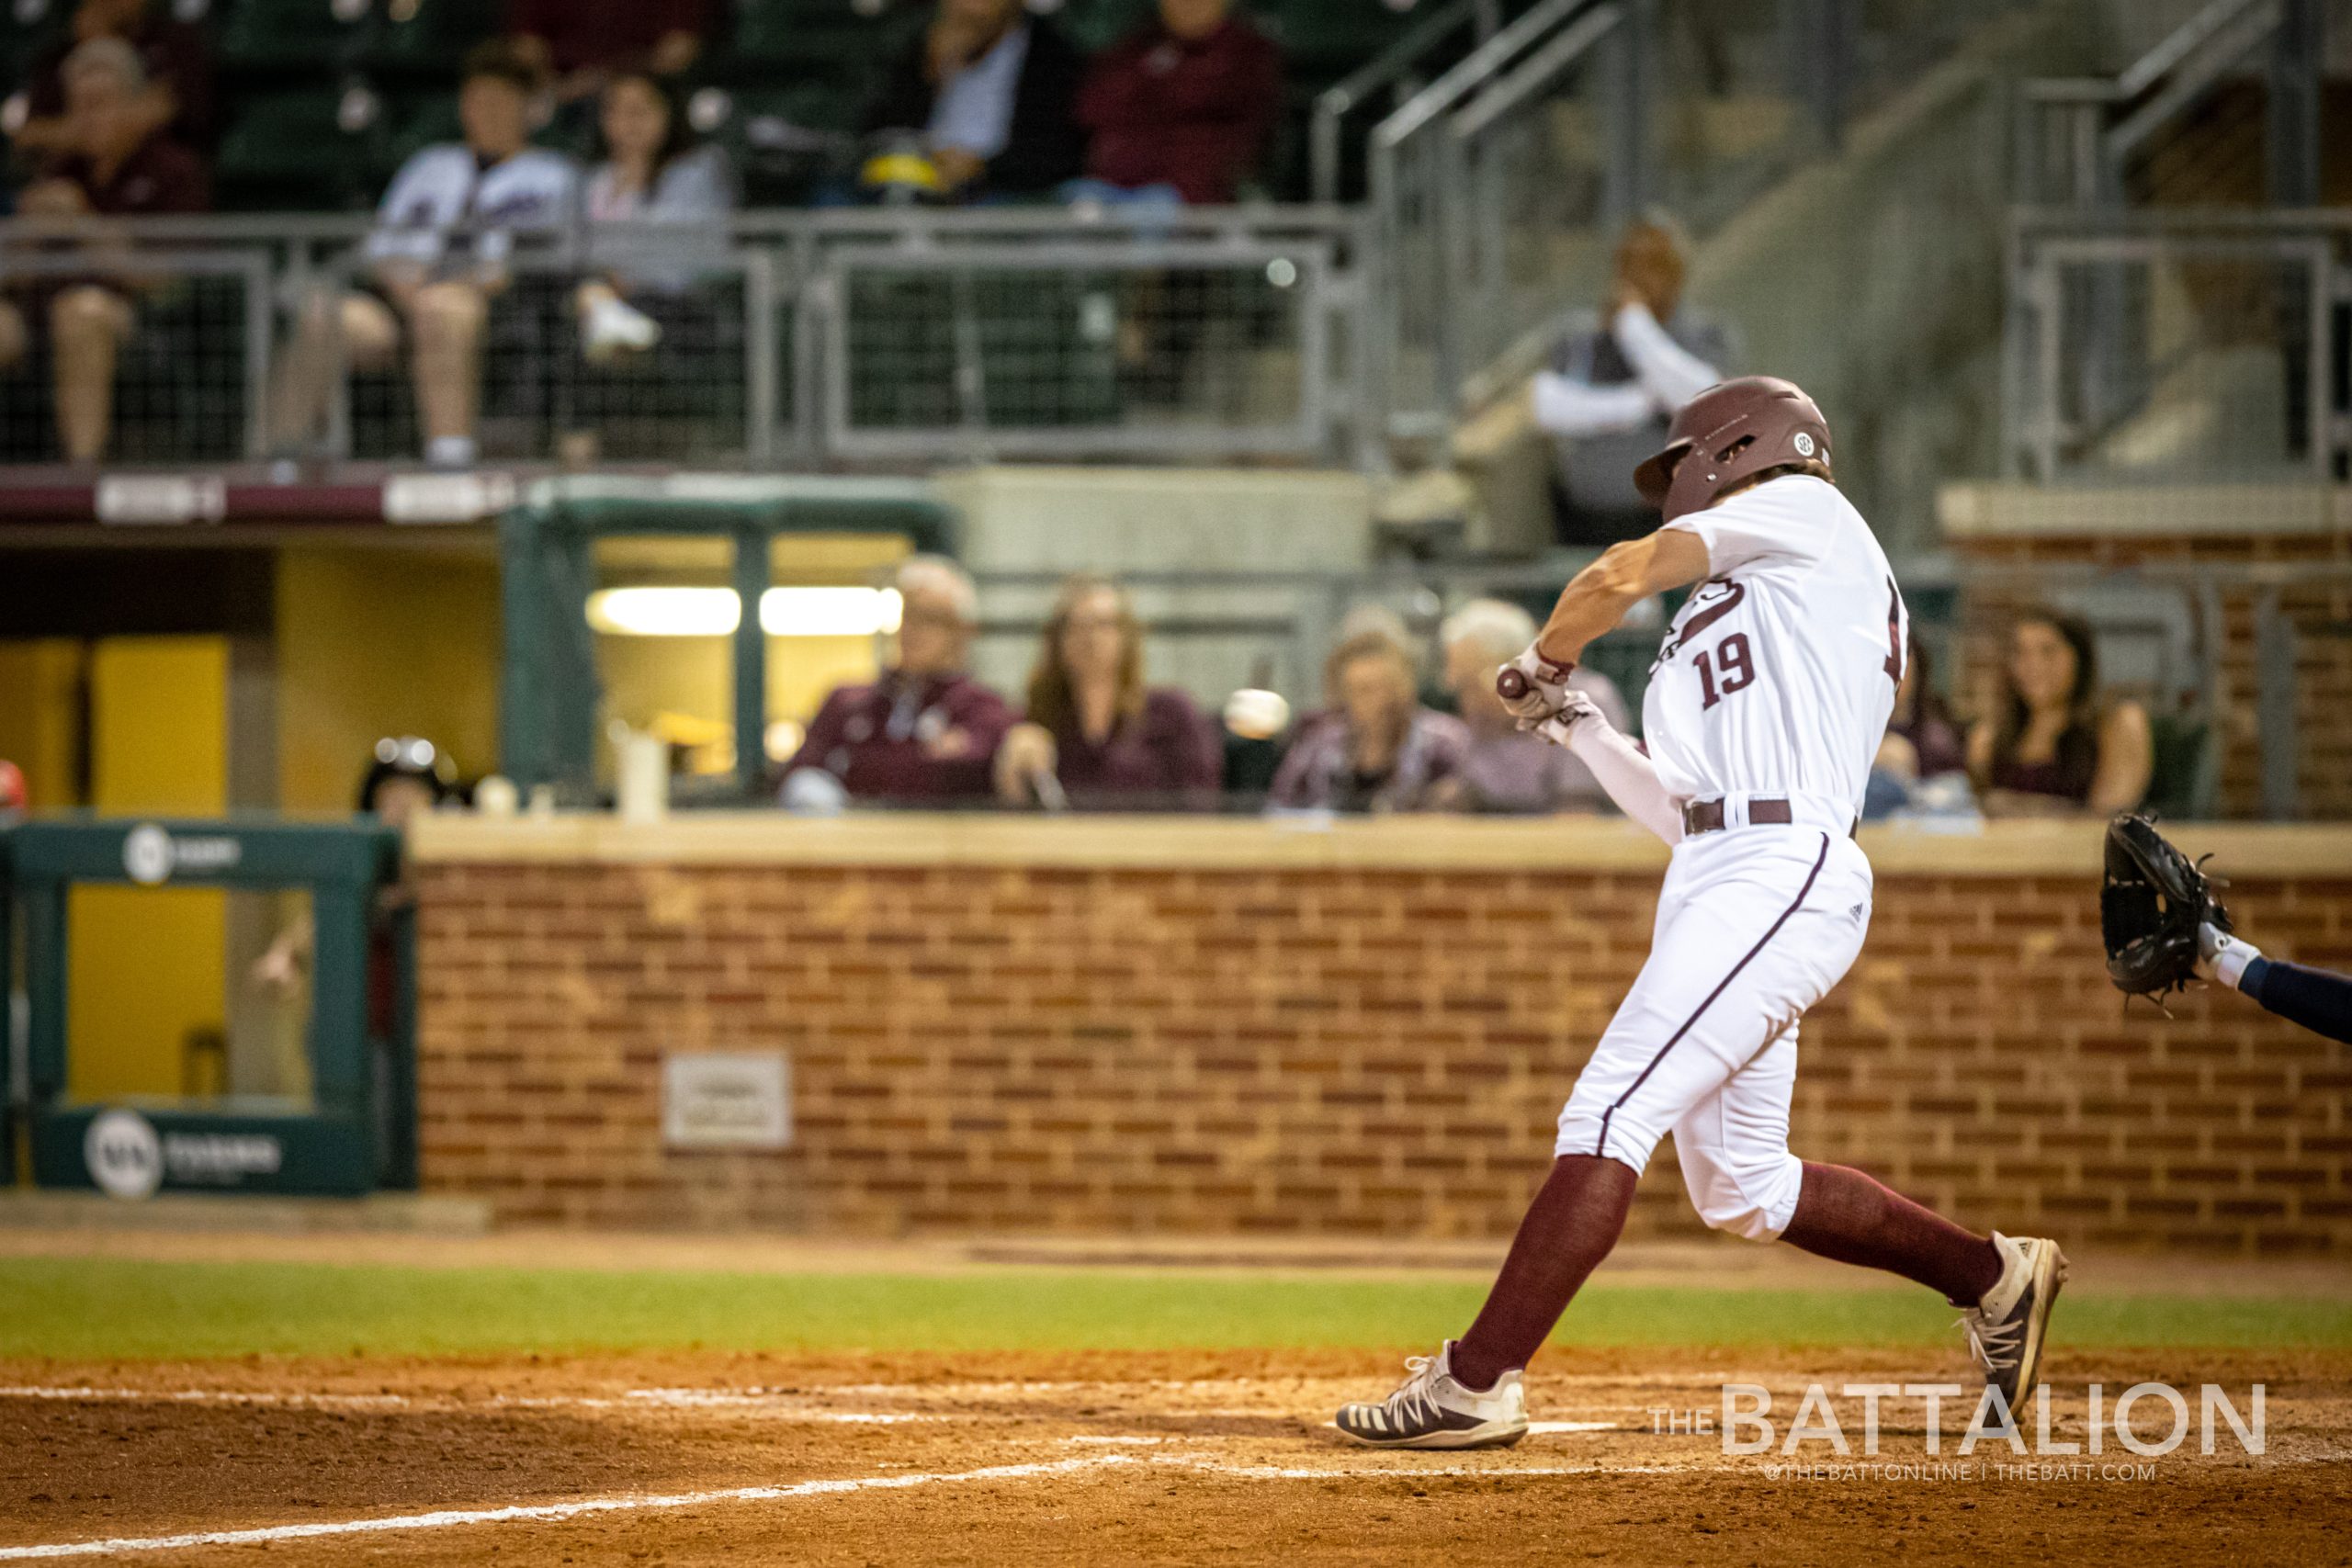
2149 911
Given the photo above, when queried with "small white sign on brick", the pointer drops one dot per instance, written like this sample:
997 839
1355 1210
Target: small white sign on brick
727 1099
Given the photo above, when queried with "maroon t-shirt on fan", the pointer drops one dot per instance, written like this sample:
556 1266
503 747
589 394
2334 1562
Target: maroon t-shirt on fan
161 177
1167 756
1187 112
890 742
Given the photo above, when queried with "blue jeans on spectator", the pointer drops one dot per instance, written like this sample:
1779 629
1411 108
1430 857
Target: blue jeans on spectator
1158 198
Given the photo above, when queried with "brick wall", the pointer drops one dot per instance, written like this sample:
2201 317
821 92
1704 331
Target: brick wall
2320 607
1317 1049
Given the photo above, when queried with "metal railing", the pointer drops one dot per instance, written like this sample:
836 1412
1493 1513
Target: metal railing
1395 74
2165 128
888 335
2154 346
1497 190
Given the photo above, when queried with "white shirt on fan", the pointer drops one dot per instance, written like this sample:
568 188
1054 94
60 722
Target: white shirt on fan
445 210
1779 675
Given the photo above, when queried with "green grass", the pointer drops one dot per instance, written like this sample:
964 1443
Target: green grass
78 1309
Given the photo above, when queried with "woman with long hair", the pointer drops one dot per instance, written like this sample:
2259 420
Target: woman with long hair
1095 735
649 170
2055 747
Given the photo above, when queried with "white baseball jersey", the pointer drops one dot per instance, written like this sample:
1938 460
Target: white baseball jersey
443 188
1778 676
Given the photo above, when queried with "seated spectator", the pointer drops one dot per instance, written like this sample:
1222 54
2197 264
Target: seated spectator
651 173
177 62
1923 740
926 732
117 163
582 43
986 92
1095 736
444 236
1609 394
1179 109
2055 746
1377 748
1922 761
1505 771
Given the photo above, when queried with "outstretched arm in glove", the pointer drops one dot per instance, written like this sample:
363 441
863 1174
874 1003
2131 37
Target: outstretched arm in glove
2319 1001
1534 686
1629 777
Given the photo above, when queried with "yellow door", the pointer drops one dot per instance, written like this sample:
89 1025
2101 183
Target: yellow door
147 965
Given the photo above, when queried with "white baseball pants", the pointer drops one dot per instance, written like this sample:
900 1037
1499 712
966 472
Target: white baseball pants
1754 926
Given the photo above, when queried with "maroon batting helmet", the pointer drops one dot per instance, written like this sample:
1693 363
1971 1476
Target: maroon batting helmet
1729 432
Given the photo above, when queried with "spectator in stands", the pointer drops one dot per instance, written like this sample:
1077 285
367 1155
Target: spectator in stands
117 163
1095 736
651 171
987 90
1377 748
2056 746
1610 393
172 55
1179 109
444 233
1504 771
926 732
1922 740
582 43
1923 745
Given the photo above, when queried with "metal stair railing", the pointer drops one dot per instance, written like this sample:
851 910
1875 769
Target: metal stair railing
1419 355
1398 70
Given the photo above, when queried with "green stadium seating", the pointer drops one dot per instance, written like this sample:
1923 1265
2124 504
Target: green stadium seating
2186 778
1323 40
431 38
288 148
290 34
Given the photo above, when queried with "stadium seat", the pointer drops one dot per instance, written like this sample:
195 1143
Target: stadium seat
2186 777
1326 39
292 148
1095 24
292 33
431 38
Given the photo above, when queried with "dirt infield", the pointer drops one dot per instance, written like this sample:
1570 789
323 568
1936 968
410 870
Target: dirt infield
1096 1457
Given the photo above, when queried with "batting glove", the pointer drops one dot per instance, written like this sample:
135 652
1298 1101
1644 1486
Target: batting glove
1532 687
1560 729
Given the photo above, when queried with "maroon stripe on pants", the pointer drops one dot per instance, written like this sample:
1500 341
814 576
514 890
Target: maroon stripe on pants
1673 1040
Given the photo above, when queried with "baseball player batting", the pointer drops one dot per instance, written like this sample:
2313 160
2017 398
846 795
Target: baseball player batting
1764 709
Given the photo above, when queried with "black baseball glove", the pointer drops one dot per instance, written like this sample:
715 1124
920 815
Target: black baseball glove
2155 899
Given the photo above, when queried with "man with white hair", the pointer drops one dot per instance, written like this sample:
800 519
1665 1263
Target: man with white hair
926 731
1506 772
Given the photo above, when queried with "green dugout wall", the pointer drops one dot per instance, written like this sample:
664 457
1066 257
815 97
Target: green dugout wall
547 561
358 1132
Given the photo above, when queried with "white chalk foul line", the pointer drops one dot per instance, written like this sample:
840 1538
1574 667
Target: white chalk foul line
450 1519
552 1513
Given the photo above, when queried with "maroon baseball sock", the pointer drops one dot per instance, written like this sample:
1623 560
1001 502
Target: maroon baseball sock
1569 1228
1842 1214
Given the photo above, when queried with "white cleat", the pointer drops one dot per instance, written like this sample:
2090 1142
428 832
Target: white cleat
1431 1410
2006 1329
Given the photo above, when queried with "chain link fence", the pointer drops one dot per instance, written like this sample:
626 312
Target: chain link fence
882 335
2161 347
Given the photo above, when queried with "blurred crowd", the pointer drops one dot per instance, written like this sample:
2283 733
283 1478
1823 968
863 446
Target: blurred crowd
1092 732
986 103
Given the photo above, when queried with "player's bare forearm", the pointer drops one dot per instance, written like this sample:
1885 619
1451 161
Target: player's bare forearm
1597 598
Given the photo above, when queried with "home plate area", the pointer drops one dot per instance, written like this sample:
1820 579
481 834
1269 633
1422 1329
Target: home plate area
1067 1457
